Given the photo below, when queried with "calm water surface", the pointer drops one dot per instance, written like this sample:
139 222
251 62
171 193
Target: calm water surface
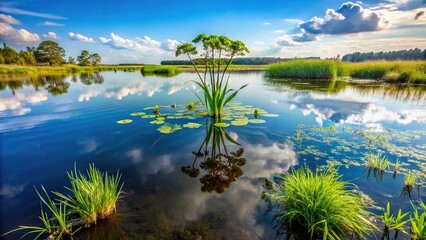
48 124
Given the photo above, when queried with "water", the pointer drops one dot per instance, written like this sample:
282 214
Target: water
48 124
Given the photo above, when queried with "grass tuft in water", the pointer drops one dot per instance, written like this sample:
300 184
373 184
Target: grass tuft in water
321 205
392 222
94 195
305 69
418 224
57 226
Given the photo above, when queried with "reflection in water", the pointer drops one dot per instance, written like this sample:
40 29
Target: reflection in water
56 84
222 168
90 78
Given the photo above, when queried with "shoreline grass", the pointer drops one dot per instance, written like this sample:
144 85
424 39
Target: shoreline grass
67 68
319 205
394 72
160 70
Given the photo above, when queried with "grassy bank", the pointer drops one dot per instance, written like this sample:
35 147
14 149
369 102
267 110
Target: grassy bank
68 68
398 71
232 68
160 70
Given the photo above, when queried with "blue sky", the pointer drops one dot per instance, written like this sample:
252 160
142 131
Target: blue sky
134 31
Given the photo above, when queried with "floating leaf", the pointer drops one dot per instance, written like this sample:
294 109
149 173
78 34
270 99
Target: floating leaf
239 122
157 122
257 121
137 114
148 108
125 121
148 116
192 125
222 124
227 118
160 118
166 129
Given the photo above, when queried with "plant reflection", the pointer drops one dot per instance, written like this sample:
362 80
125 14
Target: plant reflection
90 78
56 84
222 167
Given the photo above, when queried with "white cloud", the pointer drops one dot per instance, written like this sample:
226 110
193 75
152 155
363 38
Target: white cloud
9 19
266 23
54 24
13 10
51 36
15 36
80 37
144 44
292 20
259 43
278 31
170 45
349 18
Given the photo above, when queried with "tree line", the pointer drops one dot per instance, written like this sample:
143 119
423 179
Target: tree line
411 54
236 61
47 53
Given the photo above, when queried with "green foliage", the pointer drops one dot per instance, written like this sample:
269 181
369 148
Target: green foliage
409 181
50 52
216 93
57 226
167 71
377 162
71 60
320 204
95 59
94 195
28 56
411 54
418 224
392 222
306 69
10 56
84 58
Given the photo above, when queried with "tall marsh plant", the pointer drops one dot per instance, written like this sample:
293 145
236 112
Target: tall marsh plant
216 93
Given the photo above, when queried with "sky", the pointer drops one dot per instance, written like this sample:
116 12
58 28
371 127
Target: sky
141 31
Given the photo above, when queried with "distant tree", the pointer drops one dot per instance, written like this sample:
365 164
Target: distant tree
95 59
84 58
10 56
71 60
50 52
28 56
411 54
1 57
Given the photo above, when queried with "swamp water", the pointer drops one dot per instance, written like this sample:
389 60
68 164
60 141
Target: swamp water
50 123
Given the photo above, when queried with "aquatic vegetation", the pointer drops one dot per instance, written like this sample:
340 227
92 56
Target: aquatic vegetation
191 106
377 162
418 224
305 69
192 125
311 204
125 121
135 114
391 222
410 180
156 109
93 195
395 71
216 93
58 226
397 165
165 71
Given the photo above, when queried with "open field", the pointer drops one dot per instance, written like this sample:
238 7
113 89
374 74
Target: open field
68 68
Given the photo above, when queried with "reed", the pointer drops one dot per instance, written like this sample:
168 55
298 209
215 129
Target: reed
320 204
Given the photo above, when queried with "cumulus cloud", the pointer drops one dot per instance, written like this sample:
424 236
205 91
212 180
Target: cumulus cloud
266 23
349 18
15 36
141 44
53 24
9 20
170 45
81 38
278 31
51 36
294 39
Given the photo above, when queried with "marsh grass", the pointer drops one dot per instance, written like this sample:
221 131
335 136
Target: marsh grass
320 205
392 222
57 226
67 68
395 71
418 223
94 195
305 69
160 70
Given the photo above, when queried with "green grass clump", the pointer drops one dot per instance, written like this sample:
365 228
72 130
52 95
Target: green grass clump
57 226
306 69
377 162
94 195
418 224
409 181
321 205
395 71
392 222
160 70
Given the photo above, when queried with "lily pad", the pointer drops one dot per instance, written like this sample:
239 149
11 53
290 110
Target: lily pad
125 121
239 122
157 122
137 114
166 129
192 125
222 124
256 121
148 116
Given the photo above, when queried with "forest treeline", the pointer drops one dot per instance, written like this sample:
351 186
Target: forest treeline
47 53
236 61
411 54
